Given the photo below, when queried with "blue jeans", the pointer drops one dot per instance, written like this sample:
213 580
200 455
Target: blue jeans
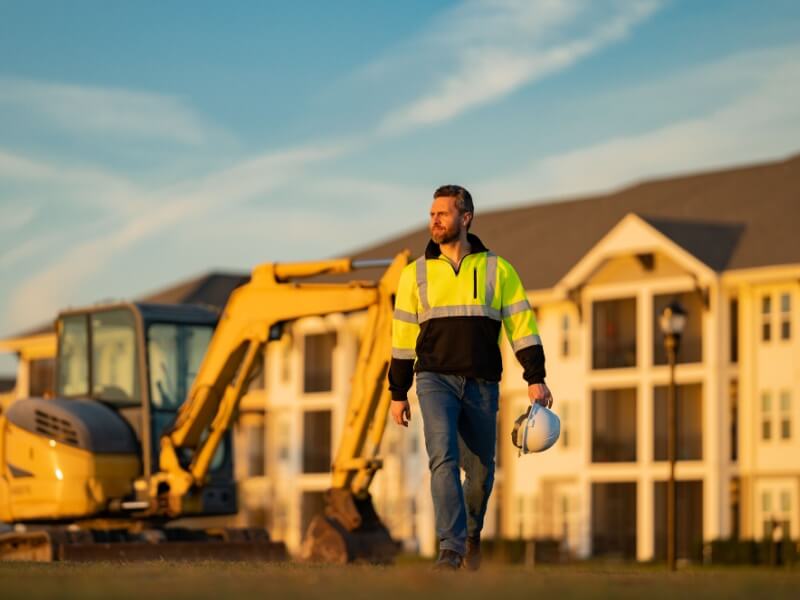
459 417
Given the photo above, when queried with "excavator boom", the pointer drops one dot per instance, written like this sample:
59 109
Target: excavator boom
253 316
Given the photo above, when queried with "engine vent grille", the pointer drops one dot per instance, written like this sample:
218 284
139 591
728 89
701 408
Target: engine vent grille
57 429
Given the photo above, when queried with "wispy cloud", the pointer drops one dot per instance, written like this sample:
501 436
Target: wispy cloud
760 123
80 183
491 48
14 217
167 208
95 110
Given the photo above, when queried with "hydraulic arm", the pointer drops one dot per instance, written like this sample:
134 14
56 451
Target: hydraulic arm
253 316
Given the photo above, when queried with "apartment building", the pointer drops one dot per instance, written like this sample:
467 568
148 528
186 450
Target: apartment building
599 272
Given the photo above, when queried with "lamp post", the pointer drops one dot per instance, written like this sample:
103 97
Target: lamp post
672 322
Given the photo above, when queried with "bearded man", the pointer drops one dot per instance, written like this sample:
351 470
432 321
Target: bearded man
450 306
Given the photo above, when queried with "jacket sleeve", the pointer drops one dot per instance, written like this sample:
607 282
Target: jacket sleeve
520 325
405 329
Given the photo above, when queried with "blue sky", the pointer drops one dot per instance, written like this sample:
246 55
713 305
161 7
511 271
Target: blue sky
145 142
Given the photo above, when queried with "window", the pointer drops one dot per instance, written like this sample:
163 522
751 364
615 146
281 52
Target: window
566 430
565 336
786 415
42 377
734 329
614 425
614 334
689 421
114 357
786 501
174 353
691 348
252 434
766 314
776 516
766 502
766 416
318 362
614 519
786 316
688 517
733 398
73 353
317 441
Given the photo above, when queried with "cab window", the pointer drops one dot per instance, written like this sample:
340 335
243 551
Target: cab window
114 358
73 352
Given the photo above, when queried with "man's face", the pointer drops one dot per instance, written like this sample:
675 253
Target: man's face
446 222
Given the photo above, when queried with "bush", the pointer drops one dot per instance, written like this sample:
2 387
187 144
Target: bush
519 551
752 552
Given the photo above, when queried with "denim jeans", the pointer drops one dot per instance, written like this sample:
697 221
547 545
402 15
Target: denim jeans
459 417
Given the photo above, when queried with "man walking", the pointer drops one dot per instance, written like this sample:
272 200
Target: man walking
449 309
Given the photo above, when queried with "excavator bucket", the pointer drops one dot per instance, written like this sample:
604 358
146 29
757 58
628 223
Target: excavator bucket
348 531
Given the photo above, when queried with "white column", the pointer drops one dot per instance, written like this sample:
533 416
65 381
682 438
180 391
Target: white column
645 518
715 505
644 424
748 423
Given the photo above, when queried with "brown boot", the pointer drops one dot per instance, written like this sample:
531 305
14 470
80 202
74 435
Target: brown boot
449 560
472 560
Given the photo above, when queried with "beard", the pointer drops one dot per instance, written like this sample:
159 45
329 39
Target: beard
446 235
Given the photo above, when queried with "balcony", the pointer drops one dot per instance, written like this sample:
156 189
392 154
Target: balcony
614 425
689 419
614 334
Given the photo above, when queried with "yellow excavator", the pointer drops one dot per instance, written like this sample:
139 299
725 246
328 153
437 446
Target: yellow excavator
139 433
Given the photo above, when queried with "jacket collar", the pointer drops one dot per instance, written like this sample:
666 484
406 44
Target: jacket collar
432 249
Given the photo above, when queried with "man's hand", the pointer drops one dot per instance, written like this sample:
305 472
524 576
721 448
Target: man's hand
540 393
401 412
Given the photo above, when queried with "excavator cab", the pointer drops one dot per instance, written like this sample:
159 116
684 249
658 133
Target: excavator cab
123 371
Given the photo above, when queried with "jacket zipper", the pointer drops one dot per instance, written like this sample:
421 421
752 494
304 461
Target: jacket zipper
474 283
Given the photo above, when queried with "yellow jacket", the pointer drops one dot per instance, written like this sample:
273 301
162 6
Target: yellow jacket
447 319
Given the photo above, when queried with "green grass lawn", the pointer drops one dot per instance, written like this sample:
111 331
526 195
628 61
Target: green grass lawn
409 581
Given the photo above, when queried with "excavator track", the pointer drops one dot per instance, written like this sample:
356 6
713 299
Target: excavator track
81 545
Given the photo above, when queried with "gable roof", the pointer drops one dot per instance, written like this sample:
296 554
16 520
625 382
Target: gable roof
711 242
729 219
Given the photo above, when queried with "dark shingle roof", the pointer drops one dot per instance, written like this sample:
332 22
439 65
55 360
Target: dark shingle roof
730 219
211 289
712 243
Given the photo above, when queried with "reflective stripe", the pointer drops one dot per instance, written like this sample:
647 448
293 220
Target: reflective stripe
403 354
422 282
405 316
515 308
464 310
525 342
491 276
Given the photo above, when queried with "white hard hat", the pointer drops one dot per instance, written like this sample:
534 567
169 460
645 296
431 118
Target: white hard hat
536 429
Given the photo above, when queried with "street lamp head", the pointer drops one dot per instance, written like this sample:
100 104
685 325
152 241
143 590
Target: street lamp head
673 319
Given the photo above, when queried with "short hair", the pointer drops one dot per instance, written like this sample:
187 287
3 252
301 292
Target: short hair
462 196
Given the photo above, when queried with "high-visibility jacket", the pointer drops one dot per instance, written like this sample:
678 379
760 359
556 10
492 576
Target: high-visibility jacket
448 319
